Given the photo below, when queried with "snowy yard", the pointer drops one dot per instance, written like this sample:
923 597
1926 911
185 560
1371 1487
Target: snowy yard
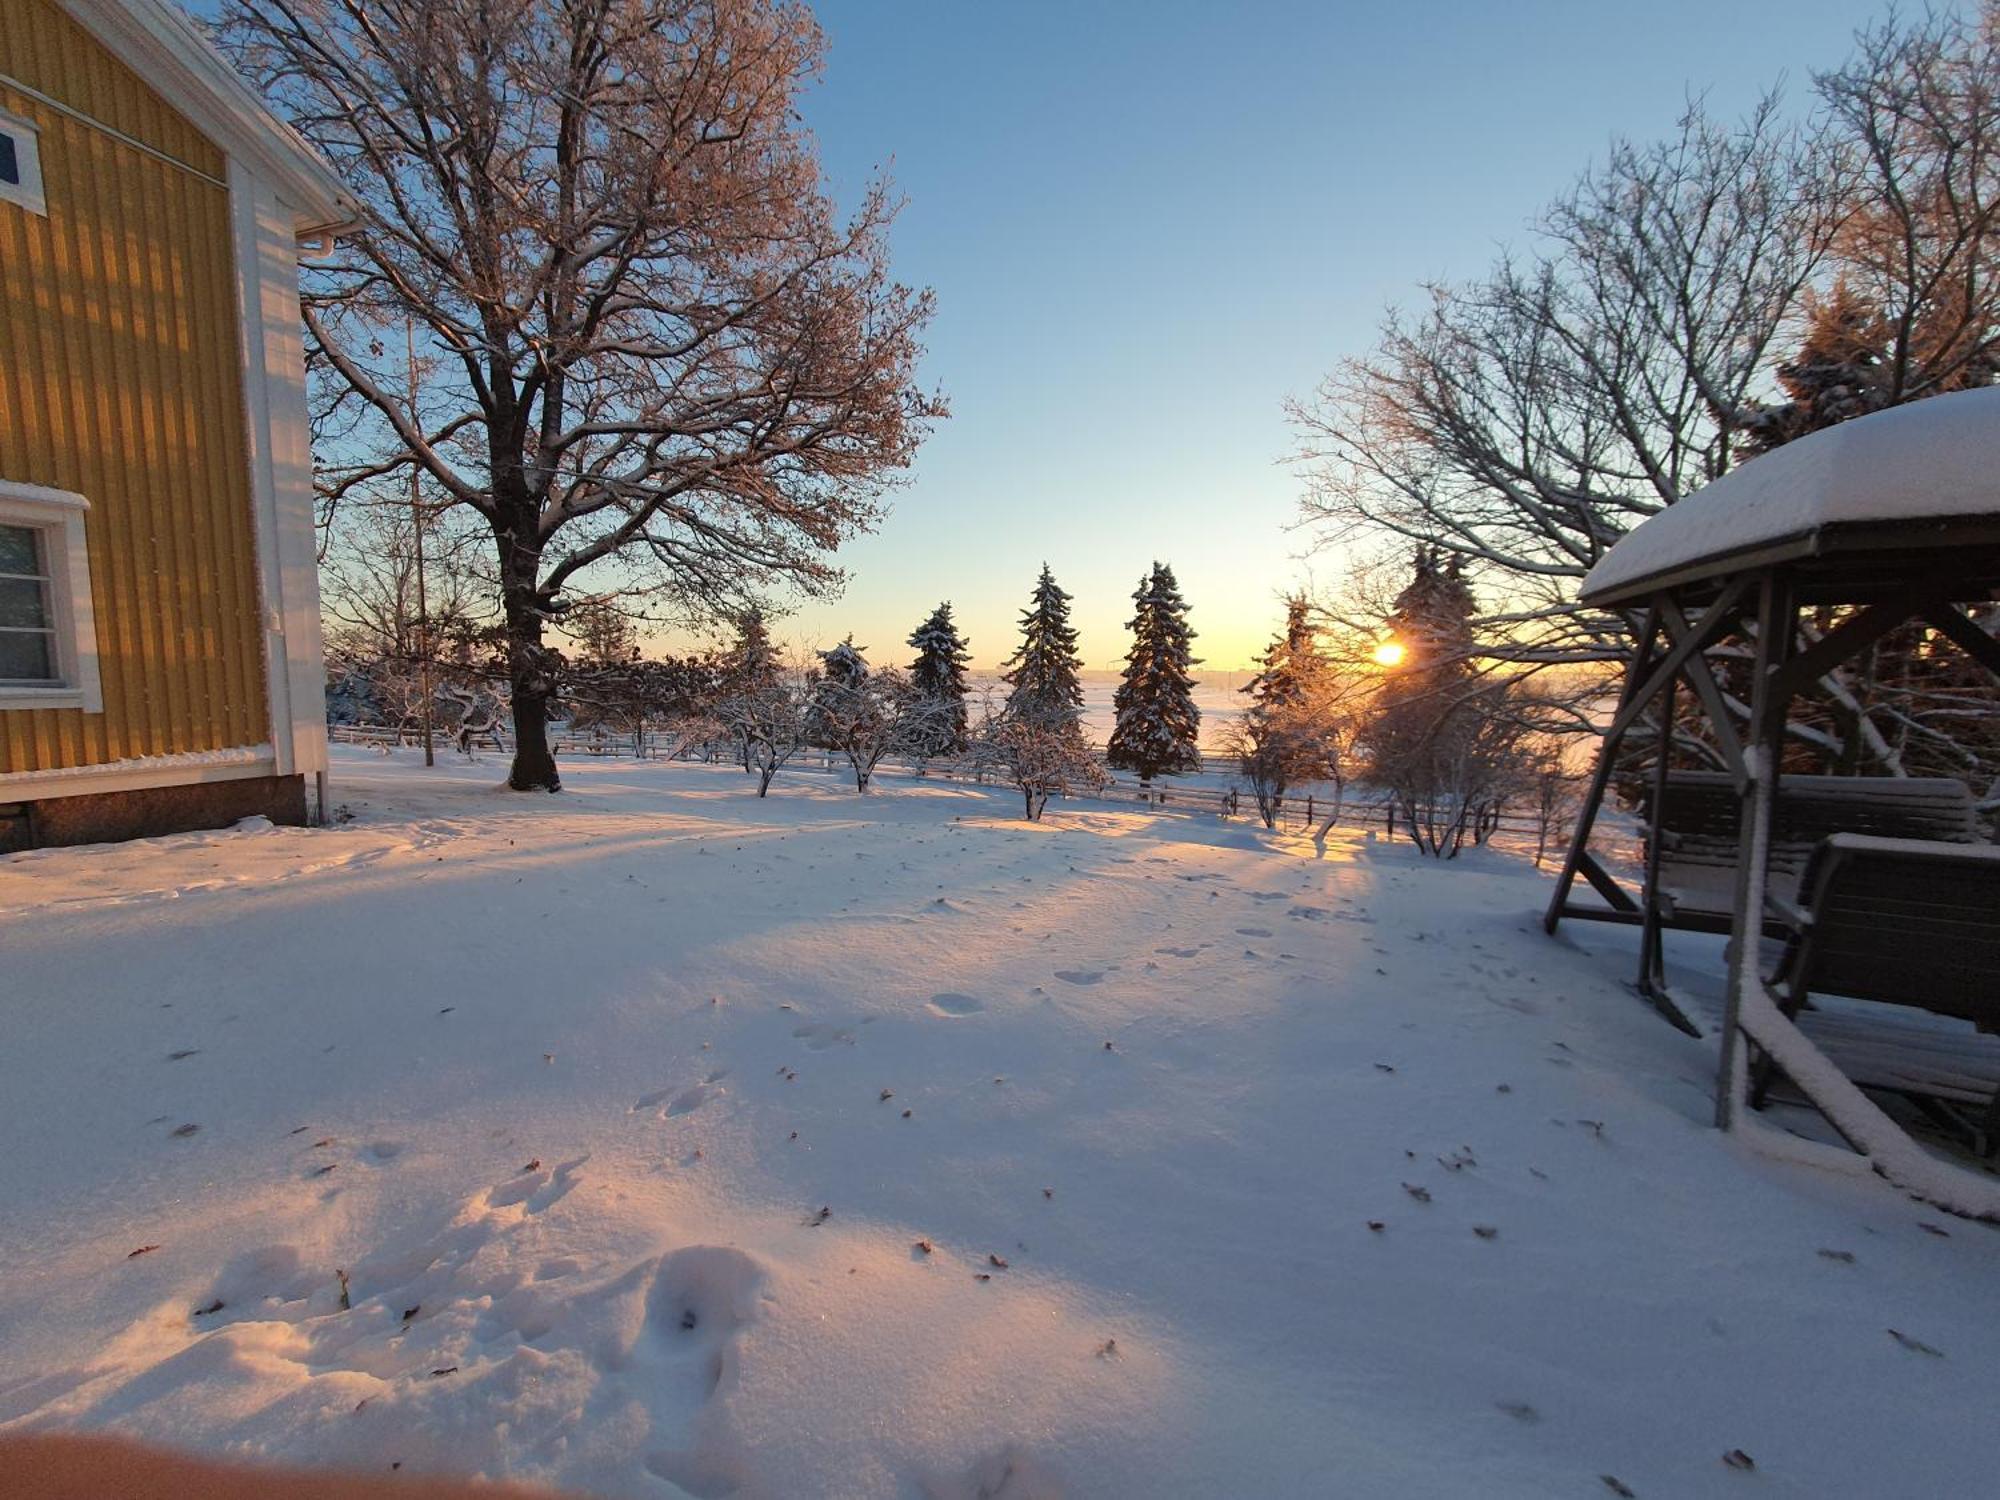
891 1146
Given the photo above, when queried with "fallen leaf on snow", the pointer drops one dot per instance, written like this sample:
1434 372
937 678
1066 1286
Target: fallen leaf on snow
1917 1344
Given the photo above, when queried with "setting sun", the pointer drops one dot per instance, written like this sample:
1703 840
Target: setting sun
1389 654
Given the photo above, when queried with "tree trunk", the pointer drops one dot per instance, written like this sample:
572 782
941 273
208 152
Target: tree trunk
534 766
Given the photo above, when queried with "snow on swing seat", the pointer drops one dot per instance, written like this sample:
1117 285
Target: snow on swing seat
1914 479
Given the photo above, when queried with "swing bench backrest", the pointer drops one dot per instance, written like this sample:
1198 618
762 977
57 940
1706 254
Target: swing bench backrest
1903 921
1698 828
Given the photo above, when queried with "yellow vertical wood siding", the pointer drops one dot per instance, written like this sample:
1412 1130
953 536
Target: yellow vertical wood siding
121 378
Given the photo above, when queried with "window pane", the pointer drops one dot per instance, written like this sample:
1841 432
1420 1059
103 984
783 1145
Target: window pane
10 160
17 550
26 655
23 604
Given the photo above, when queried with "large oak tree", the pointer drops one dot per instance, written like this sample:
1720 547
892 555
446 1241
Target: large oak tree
653 357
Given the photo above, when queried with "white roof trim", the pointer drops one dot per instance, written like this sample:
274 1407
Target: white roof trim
1932 460
178 62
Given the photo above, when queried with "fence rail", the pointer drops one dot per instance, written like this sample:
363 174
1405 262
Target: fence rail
1356 807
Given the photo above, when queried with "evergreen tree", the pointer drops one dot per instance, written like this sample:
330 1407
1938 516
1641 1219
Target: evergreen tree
750 661
1288 734
844 666
1042 674
1156 720
1432 621
938 677
1838 374
1443 743
839 681
1291 664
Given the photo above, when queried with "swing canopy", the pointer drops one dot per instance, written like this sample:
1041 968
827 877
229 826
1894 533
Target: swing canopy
1849 512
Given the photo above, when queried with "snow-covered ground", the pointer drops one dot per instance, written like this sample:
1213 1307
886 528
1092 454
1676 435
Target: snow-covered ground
673 1141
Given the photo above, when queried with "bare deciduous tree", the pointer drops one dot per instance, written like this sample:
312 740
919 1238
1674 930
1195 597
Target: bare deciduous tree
769 722
1039 754
1526 421
876 716
648 343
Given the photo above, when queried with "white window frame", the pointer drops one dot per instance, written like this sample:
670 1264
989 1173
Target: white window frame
58 515
27 137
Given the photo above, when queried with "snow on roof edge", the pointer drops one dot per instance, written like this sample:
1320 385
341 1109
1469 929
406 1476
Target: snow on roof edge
1936 459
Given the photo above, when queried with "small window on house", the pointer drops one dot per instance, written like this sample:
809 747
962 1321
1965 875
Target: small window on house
28 656
48 636
21 164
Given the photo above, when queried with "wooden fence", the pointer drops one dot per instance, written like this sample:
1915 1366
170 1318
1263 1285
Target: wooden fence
1519 829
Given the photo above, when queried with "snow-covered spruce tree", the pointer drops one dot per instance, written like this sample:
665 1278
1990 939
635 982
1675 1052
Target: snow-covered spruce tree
1156 722
751 658
1288 734
842 672
1838 373
937 677
1036 740
748 665
1041 675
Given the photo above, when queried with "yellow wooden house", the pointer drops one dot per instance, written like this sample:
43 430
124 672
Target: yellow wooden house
159 601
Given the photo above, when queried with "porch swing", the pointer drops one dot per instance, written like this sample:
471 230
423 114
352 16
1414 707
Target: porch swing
1875 888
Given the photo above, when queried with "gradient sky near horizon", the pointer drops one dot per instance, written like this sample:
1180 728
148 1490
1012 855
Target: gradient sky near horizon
1149 222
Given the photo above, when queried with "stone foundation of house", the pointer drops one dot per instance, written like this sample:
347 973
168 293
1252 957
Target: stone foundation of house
103 817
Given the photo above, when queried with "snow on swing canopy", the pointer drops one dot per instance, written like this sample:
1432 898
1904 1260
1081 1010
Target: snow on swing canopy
1853 510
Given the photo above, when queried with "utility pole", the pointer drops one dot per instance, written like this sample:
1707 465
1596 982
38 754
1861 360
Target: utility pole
417 525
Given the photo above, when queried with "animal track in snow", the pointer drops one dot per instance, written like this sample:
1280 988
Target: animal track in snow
1253 932
1079 976
1178 952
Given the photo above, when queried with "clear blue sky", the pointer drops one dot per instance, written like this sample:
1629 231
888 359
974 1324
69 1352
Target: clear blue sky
1149 222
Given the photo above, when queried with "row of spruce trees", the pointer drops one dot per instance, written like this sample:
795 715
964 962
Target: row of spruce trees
1156 722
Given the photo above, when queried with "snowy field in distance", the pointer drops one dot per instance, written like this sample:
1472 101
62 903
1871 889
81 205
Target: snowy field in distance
1217 695
677 1143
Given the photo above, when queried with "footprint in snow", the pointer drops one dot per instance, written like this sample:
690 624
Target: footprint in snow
1080 976
683 1101
1253 932
1178 952
952 1006
820 1035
